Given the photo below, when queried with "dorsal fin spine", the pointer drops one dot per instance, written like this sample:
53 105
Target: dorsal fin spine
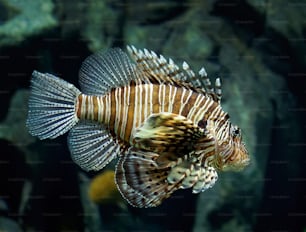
202 72
161 70
163 59
154 54
185 65
147 53
218 89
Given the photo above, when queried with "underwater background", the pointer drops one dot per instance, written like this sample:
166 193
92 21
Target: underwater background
258 49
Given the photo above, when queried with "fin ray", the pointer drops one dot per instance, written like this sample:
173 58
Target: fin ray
167 71
103 71
191 174
51 106
141 181
207 177
91 146
144 182
167 133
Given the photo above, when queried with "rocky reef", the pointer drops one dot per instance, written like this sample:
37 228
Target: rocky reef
256 47
20 20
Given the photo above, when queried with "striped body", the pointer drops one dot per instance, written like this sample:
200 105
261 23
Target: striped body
126 108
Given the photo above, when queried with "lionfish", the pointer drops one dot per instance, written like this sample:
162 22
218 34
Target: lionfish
165 123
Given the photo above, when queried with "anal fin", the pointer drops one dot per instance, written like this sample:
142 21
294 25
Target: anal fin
91 146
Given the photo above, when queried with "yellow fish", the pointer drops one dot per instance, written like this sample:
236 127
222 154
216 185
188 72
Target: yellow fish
164 122
103 190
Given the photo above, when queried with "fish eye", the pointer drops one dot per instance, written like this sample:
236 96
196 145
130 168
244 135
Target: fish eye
202 123
236 131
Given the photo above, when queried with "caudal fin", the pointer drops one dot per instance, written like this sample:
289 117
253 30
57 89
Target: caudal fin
51 106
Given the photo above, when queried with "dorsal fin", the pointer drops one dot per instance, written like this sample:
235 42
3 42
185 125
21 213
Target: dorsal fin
163 71
103 71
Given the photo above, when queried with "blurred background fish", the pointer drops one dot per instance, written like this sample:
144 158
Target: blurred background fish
103 190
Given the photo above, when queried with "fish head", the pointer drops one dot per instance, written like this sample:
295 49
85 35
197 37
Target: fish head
232 154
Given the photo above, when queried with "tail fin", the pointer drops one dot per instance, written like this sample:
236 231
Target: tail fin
51 106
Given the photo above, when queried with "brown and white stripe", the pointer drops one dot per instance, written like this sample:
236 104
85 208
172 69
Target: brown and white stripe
126 108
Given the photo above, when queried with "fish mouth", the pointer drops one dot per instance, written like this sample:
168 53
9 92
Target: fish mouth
245 161
237 166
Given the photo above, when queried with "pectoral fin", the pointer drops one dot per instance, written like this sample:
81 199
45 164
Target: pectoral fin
141 181
161 161
191 174
207 177
144 182
170 135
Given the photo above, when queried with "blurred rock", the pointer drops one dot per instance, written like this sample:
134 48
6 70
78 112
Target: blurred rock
13 174
283 44
3 206
70 15
13 128
286 17
8 225
224 208
98 24
101 24
24 19
154 12
254 46
91 217
177 36
255 97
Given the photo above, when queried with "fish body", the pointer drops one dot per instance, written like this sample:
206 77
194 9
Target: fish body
164 123
129 106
